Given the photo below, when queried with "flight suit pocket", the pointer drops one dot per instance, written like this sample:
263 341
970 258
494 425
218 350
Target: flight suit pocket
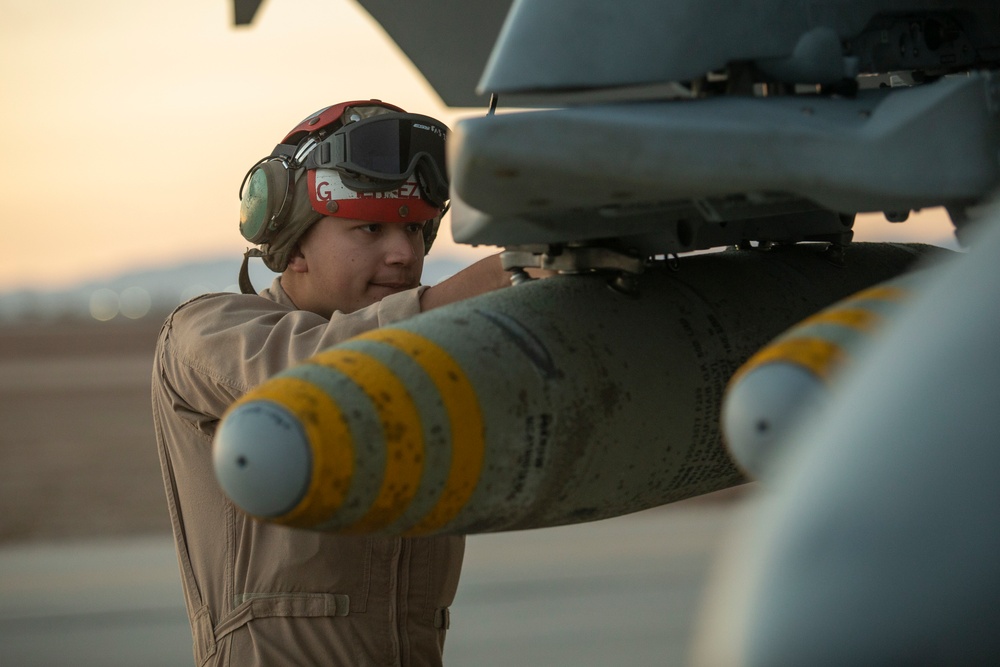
268 628
249 606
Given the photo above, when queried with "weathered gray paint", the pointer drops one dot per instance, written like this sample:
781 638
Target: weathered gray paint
637 169
565 44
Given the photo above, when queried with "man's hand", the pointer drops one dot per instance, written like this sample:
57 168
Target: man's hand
484 276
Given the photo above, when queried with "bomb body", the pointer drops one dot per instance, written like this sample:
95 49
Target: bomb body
558 401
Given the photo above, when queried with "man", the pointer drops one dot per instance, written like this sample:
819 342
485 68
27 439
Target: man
345 209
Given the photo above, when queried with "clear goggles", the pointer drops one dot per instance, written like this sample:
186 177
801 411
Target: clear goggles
381 152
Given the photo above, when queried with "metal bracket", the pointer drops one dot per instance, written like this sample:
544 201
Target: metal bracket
570 259
575 259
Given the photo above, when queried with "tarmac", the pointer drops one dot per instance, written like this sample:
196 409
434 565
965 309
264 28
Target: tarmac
613 592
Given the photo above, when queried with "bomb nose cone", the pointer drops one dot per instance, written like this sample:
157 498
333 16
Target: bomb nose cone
762 407
262 458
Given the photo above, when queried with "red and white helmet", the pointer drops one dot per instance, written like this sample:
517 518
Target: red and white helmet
364 160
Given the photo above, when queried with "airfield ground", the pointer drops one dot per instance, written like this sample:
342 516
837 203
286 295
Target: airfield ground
77 454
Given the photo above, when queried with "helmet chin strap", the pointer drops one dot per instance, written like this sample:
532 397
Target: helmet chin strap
246 287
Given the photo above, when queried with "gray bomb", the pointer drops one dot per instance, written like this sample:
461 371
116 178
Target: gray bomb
790 378
553 402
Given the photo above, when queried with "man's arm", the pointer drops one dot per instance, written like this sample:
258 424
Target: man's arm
484 276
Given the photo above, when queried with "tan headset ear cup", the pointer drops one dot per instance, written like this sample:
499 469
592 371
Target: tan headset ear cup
267 192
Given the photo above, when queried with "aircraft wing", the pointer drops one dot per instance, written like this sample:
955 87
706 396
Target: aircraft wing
245 10
448 40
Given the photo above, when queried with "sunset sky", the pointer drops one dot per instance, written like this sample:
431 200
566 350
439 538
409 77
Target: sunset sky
127 125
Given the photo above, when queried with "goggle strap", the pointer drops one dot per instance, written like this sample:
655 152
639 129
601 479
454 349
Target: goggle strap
322 157
319 157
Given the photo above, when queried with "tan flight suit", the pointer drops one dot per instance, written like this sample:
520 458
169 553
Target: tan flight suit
262 594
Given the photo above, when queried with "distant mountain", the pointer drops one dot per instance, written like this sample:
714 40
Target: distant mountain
156 291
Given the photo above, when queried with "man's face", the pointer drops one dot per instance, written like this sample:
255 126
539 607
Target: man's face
353 263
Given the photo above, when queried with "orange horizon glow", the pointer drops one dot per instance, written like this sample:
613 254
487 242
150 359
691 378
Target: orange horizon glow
129 125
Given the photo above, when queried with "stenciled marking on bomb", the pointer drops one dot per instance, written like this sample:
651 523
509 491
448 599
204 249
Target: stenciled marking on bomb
715 359
537 427
534 457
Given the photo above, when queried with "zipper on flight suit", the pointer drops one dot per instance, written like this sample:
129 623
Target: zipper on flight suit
400 585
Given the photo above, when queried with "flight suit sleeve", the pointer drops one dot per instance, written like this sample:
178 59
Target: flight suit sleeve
217 347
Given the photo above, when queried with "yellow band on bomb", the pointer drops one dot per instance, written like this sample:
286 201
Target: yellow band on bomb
879 293
853 318
815 354
329 441
468 442
818 355
402 430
